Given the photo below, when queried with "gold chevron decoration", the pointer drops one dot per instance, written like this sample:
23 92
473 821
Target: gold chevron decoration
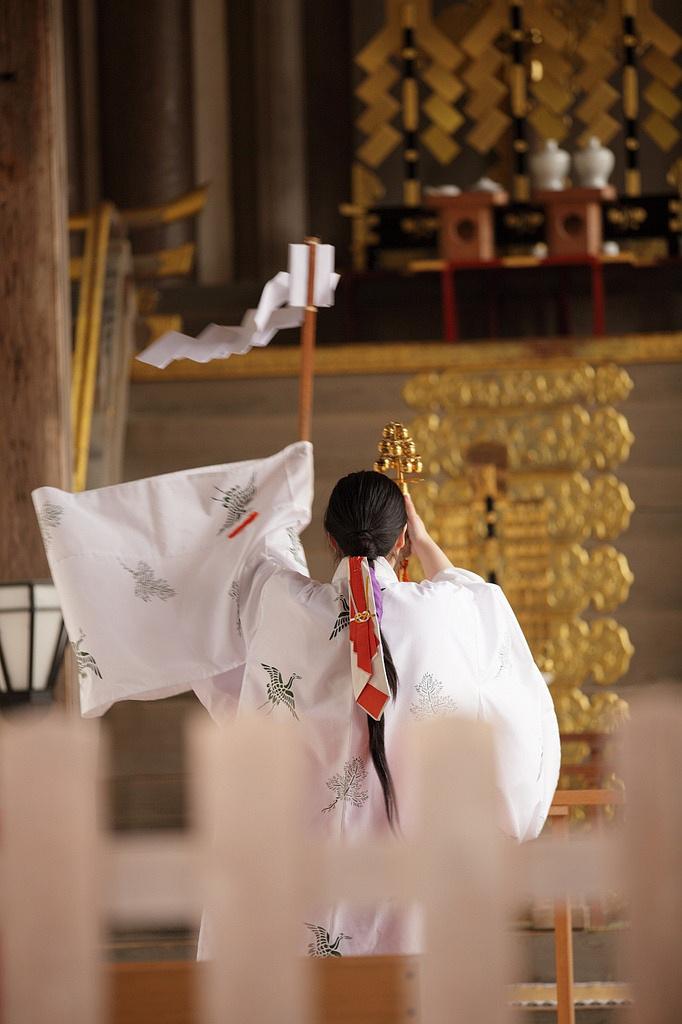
483 78
378 59
550 438
440 58
551 92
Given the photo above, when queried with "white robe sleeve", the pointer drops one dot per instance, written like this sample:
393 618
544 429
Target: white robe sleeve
281 553
515 700
148 573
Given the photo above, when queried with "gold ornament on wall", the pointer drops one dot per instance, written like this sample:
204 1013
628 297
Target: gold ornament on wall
565 437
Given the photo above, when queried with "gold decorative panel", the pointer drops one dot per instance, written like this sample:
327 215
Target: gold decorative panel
566 437
578 508
552 438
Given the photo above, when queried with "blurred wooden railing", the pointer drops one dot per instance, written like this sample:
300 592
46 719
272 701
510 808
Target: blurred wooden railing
247 858
103 339
374 990
116 289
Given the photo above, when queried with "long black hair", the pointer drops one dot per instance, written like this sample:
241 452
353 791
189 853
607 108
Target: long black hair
365 515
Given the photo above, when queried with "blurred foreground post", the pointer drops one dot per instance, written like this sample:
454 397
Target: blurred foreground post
49 882
652 772
458 867
247 802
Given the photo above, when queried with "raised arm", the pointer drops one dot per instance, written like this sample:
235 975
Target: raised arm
433 559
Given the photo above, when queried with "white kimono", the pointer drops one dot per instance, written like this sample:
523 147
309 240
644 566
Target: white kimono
458 650
174 589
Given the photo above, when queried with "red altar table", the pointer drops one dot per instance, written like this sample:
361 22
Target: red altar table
448 270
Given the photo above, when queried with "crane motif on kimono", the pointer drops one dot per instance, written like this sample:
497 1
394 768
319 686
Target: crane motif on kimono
49 518
234 594
296 548
235 502
280 692
322 944
342 619
85 662
148 585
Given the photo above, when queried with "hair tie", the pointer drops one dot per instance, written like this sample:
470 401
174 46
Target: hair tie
365 539
378 598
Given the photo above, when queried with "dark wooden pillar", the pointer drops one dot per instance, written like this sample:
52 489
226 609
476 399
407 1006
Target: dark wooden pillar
73 88
246 186
266 58
145 105
280 116
328 118
290 69
34 314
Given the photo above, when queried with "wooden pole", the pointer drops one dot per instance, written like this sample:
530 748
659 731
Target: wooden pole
35 329
563 942
307 371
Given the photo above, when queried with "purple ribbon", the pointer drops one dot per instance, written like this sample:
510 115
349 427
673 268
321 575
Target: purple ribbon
378 600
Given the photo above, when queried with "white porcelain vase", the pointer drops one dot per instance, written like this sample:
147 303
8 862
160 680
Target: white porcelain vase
593 164
549 167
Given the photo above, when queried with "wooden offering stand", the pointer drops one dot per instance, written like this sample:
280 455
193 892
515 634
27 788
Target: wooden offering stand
574 219
467 230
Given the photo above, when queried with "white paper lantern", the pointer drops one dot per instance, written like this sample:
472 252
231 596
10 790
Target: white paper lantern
32 641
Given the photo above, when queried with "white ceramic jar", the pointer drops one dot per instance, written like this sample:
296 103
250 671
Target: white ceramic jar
549 167
593 164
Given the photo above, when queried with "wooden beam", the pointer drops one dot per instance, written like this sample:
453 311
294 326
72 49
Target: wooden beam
423 357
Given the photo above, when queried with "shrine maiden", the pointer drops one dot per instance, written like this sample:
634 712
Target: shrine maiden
350 661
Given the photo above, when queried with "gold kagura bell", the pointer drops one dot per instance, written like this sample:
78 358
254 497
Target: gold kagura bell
397 454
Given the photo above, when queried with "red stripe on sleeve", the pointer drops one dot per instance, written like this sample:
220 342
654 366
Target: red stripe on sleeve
242 526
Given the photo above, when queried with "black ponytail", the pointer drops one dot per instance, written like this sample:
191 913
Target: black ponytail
377 747
365 515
